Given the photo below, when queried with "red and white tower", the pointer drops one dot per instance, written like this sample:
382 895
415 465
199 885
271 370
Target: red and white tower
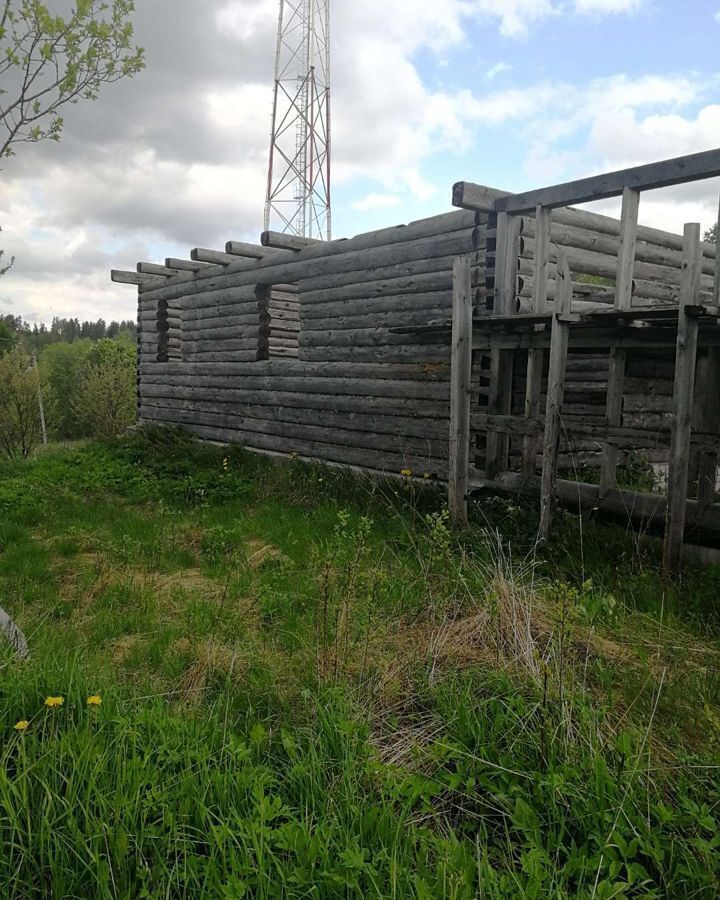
298 189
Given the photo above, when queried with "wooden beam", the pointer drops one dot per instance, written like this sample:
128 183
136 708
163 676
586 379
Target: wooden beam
555 395
147 268
536 357
281 241
706 419
249 251
460 380
120 276
501 362
618 356
467 195
185 265
716 284
683 395
201 254
669 172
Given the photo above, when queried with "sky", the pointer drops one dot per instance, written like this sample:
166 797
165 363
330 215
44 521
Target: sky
515 94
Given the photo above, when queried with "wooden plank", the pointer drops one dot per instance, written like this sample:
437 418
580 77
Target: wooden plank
667 173
706 418
501 362
683 393
716 285
555 396
460 380
536 357
618 355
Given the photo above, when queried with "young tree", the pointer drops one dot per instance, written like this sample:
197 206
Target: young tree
62 366
48 61
19 410
105 400
711 234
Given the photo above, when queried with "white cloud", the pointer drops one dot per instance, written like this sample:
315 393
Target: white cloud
608 6
516 16
376 201
497 69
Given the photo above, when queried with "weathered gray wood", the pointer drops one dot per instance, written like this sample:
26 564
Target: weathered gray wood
716 283
706 418
217 257
14 635
120 276
536 358
219 356
283 241
226 304
148 268
554 404
681 170
685 359
461 377
419 353
252 251
618 356
247 341
376 372
185 265
391 319
501 364
467 195
393 306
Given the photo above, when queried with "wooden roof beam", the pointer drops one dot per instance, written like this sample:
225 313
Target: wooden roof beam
669 172
185 265
120 276
201 254
249 251
147 268
467 195
281 241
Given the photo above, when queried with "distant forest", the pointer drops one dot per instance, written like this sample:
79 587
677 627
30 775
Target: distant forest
37 337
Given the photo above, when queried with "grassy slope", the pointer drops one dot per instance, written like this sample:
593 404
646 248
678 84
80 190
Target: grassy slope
312 688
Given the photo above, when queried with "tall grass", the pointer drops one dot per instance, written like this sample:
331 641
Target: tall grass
312 688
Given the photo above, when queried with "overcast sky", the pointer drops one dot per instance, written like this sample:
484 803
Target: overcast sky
511 93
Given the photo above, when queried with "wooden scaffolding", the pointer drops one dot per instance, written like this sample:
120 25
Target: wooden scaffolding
547 330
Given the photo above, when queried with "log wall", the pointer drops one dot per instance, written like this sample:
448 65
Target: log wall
294 351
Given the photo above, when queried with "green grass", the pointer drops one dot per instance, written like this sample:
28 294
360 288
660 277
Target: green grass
311 687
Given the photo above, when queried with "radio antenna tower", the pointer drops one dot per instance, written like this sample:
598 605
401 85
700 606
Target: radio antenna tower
298 188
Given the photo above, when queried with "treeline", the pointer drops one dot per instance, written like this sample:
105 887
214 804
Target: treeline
70 381
38 336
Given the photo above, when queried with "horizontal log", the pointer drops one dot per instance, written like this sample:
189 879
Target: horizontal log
221 322
385 320
283 352
250 251
275 341
376 462
419 407
373 371
432 282
365 389
185 265
222 356
284 241
247 342
358 337
437 265
160 306
148 268
269 270
217 257
414 428
467 195
418 353
230 303
439 302
669 172
608 244
120 276
321 433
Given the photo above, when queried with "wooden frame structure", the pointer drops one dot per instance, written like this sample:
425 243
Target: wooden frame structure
574 336
688 329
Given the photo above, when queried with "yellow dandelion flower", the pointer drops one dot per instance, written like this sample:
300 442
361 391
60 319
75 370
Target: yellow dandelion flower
94 700
226 464
407 473
54 701
426 475
22 725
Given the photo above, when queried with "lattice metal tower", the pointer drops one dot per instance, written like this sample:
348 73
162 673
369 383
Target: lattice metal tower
298 189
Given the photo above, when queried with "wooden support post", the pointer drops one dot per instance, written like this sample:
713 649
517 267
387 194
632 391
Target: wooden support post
618 357
716 283
706 419
683 393
555 394
461 376
501 362
536 358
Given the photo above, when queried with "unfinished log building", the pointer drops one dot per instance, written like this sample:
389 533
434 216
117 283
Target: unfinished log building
341 351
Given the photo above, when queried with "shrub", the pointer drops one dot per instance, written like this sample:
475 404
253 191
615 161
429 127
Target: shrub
61 370
19 409
105 401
